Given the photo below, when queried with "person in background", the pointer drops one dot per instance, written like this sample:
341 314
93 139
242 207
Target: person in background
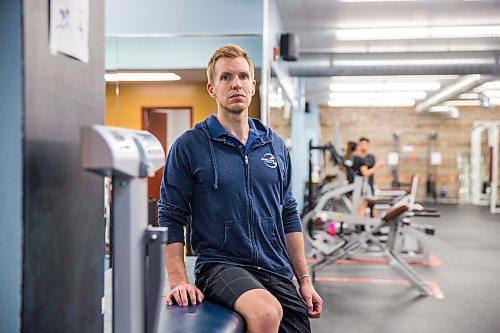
349 159
372 167
230 176
357 165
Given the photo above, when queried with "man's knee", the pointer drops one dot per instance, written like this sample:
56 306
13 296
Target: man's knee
266 316
260 309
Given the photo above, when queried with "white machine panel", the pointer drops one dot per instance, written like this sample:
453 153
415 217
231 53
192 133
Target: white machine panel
119 151
153 156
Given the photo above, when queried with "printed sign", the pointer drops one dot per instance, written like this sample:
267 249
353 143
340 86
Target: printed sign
69 28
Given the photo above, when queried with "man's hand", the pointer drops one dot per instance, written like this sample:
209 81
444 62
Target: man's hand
313 300
184 294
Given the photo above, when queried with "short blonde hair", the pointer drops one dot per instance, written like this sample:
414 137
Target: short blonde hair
227 51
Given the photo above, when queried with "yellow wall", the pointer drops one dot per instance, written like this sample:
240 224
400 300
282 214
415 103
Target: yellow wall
124 105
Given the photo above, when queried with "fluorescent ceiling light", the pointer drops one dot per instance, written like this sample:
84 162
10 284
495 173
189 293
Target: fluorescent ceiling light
276 103
276 98
494 101
418 33
392 78
378 0
384 86
442 108
452 111
136 76
371 102
492 93
378 95
413 62
468 96
466 102
492 85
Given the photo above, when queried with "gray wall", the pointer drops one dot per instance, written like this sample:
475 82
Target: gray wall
11 164
63 275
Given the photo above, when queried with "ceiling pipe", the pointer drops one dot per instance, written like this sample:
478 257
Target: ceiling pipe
414 63
451 91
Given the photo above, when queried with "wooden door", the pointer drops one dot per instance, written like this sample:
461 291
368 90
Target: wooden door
156 123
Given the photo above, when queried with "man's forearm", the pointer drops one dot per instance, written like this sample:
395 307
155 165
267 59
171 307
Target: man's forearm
174 260
295 249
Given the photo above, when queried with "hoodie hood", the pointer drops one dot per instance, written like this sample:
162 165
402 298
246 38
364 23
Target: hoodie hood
265 132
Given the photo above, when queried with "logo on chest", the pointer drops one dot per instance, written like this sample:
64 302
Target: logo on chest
269 160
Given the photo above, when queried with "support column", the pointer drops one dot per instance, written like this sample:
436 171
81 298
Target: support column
11 171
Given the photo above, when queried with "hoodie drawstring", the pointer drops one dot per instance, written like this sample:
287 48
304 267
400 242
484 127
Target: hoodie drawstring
214 164
280 176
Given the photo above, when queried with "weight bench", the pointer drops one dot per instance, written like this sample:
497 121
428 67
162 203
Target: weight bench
201 318
392 219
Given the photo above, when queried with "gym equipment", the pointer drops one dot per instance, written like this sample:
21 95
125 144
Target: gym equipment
337 159
432 157
492 184
137 260
392 219
410 242
135 284
200 318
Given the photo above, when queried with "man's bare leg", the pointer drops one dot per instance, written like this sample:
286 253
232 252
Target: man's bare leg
261 310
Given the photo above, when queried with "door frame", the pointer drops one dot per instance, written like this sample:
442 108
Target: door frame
145 113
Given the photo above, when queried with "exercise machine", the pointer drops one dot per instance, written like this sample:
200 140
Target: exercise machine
337 160
392 219
432 157
129 158
491 183
326 226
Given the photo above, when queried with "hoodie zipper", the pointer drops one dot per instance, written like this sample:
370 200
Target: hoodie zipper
250 209
250 203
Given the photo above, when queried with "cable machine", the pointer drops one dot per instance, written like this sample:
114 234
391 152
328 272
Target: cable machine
491 184
336 159
432 157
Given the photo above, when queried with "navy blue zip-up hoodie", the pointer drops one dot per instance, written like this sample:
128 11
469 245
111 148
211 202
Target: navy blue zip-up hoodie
239 200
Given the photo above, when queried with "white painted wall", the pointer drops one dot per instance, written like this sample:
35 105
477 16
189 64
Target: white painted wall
178 121
183 17
305 127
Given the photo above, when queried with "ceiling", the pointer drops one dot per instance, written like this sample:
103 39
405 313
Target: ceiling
321 23
316 22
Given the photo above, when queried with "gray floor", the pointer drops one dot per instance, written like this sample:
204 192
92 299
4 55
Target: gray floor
468 244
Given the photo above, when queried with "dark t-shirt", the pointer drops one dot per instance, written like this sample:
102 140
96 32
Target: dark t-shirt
370 163
357 163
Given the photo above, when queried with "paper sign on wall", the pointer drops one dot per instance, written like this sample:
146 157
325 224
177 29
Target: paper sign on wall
69 28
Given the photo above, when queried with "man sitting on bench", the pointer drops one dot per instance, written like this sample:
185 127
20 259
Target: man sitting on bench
231 177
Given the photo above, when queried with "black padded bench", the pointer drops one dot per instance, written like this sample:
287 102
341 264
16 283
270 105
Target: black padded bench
201 318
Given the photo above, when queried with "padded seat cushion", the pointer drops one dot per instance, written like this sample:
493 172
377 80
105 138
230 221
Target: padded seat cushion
201 318
394 212
206 317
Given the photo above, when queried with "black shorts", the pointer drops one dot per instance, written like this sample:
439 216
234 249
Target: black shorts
223 284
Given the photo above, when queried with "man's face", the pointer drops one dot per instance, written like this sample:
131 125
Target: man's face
232 86
364 146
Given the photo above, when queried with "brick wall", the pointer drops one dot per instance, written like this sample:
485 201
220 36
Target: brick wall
280 125
378 124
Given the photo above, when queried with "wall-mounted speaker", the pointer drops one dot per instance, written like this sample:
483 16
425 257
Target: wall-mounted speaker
289 47
307 108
